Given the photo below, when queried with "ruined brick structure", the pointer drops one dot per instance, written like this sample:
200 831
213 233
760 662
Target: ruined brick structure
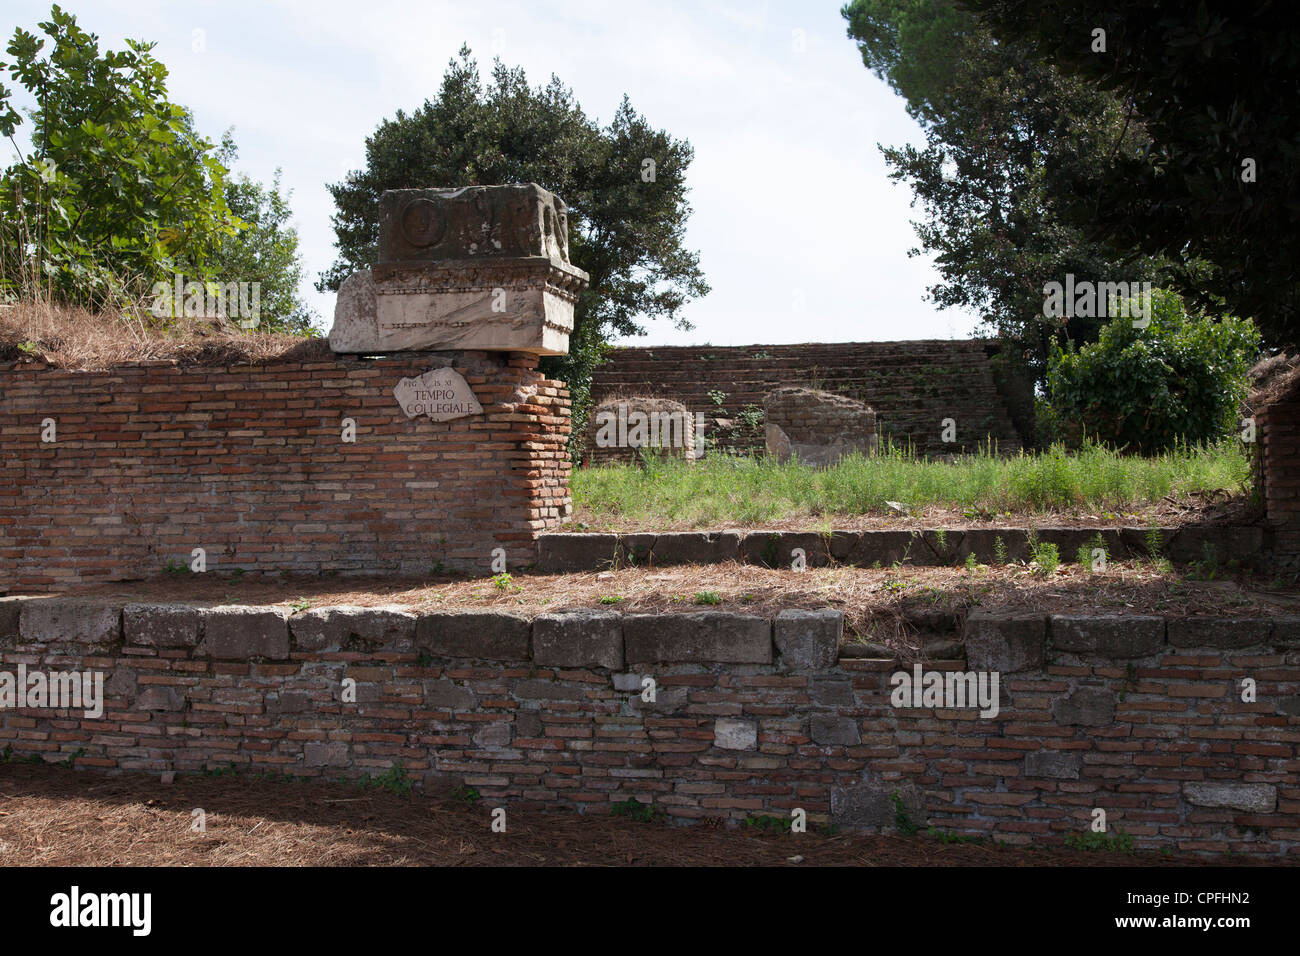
250 463
911 386
1278 443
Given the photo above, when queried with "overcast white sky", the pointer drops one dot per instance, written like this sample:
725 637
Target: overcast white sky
791 201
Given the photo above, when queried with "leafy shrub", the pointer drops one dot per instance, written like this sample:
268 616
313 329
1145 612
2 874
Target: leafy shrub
1142 389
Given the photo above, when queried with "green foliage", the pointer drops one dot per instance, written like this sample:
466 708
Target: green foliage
1183 377
265 251
505 582
724 489
766 823
1213 84
625 232
635 810
117 187
999 549
1120 842
466 795
903 821
708 597
395 780
1047 558
1007 136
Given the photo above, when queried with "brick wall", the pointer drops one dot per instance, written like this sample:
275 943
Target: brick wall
911 386
1278 437
248 462
1140 716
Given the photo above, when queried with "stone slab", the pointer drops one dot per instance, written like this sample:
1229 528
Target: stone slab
705 636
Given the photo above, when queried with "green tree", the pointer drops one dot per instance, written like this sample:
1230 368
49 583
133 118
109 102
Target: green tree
117 187
1007 136
1184 376
626 232
1216 85
264 250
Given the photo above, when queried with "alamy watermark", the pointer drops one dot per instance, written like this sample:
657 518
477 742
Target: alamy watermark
946 689
1095 300
238 301
621 428
58 690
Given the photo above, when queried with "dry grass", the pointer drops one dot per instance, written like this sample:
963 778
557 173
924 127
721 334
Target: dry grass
877 602
66 336
51 816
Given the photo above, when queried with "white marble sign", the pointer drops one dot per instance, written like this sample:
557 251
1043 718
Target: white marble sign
440 393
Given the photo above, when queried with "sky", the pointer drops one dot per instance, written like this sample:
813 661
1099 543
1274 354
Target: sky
801 234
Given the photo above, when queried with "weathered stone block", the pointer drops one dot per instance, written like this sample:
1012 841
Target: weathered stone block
872 805
1005 642
153 697
10 610
161 625
353 628
1053 764
481 635
809 640
775 549
446 695
816 427
1108 635
493 735
479 267
627 682
235 632
582 638
64 620
717 636
1086 707
326 755
1219 632
832 692
883 548
686 547
1247 797
829 730
731 734
575 552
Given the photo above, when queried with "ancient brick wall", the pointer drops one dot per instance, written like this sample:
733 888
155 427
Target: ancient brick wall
249 462
911 386
1140 716
1278 443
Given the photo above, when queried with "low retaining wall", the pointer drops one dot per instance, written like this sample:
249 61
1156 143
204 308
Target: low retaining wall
1183 731
557 552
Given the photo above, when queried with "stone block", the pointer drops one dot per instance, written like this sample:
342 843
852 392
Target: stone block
479 635
1053 764
873 805
447 695
1108 635
326 755
1225 633
1246 797
557 553
348 628
1086 707
775 549
155 697
69 621
236 632
809 640
161 625
705 636
828 730
1004 641
581 638
731 734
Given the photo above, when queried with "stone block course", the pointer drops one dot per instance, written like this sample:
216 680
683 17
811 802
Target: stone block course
702 636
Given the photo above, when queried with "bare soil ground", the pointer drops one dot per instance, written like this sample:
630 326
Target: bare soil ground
873 599
53 816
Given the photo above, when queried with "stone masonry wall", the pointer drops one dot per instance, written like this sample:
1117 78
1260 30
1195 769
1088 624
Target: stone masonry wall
248 462
911 386
1141 716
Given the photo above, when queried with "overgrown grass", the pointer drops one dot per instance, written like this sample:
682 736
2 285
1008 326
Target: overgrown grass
722 488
